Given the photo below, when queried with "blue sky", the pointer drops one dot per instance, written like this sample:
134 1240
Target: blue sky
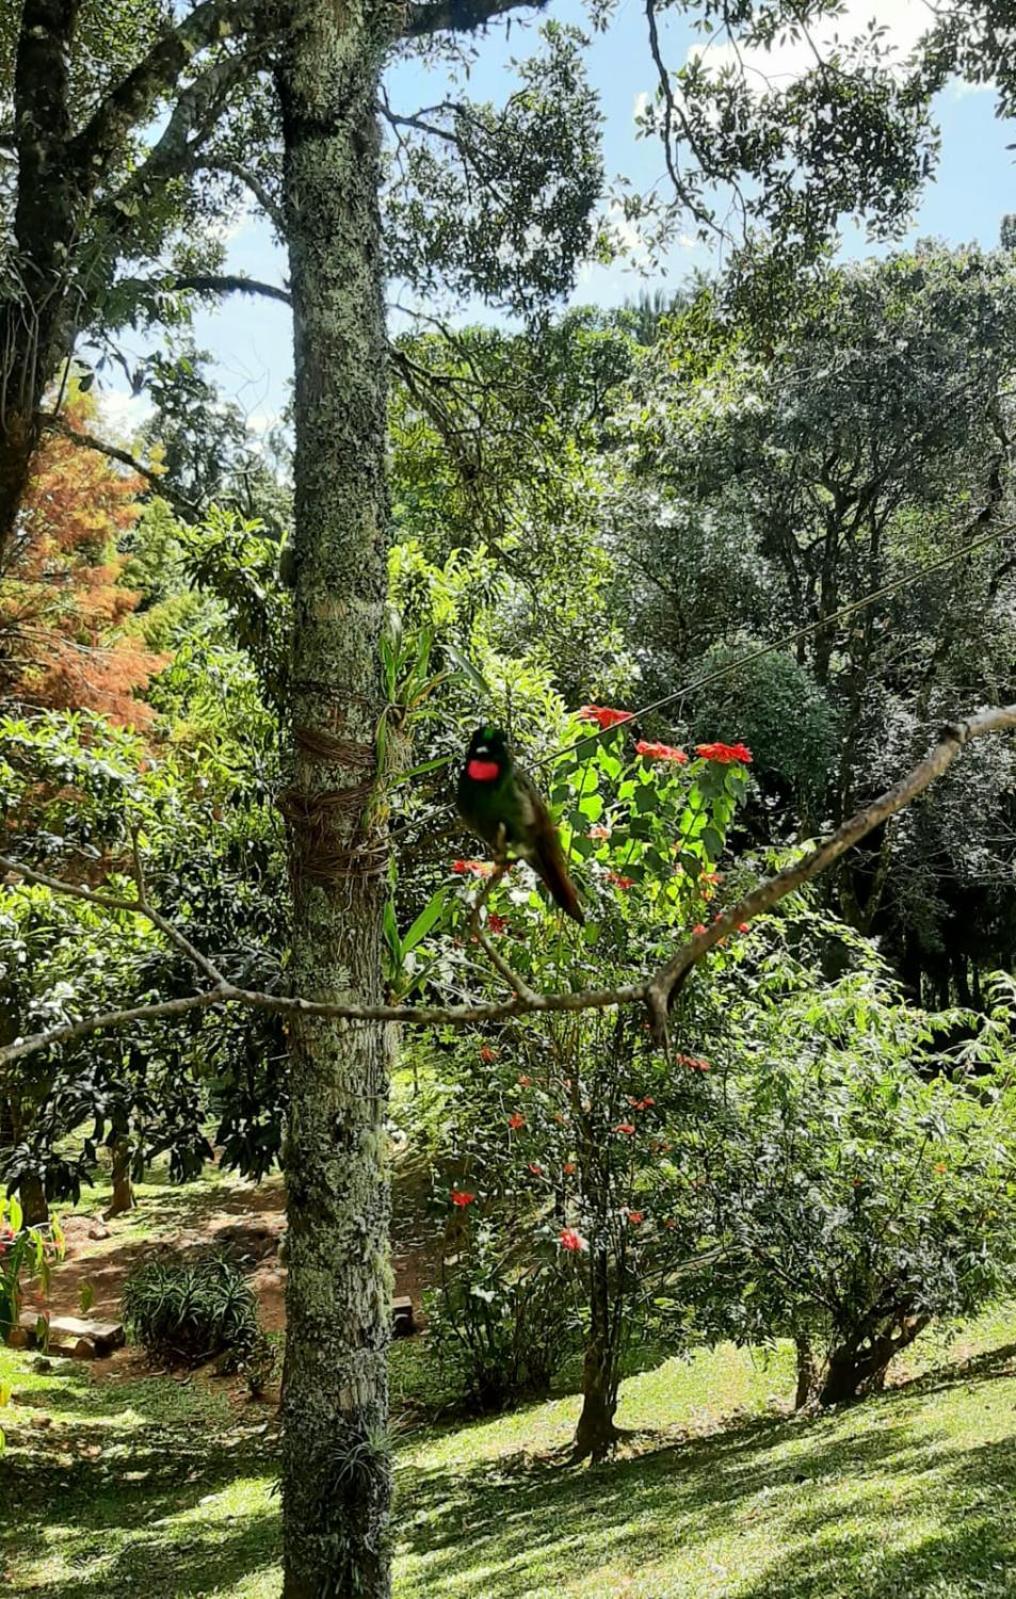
975 185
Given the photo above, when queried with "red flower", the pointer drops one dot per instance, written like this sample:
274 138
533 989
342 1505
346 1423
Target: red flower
711 877
536 1168
742 927
641 1104
625 1127
726 754
604 715
619 881
461 1198
487 1054
635 1216
694 1063
599 831
525 1081
572 1240
473 868
700 927
515 1121
569 1168
497 924
660 752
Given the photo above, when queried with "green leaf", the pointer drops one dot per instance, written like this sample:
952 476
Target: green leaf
713 842
425 921
391 932
468 670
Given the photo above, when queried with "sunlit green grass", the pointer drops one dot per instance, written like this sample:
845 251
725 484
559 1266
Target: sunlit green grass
164 1490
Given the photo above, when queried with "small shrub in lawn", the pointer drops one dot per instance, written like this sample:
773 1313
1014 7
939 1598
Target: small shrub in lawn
190 1310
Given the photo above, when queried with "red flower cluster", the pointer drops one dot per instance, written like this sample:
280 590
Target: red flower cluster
742 927
572 1240
641 1104
603 715
569 1168
487 1054
625 1127
694 1063
536 1168
461 1198
620 881
635 1217
700 927
497 924
660 752
473 868
726 754
515 1121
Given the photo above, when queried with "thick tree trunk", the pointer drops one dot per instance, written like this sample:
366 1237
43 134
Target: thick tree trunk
854 1369
595 1433
32 1194
123 1189
336 1480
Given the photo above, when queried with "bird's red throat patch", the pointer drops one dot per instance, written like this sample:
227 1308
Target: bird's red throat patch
483 771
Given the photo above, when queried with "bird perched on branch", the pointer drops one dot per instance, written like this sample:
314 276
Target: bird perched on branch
499 802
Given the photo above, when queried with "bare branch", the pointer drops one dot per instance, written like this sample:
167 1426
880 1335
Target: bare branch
658 993
132 101
229 283
498 962
667 982
115 902
90 441
260 190
460 16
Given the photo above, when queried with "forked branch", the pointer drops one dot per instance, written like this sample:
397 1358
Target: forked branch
657 993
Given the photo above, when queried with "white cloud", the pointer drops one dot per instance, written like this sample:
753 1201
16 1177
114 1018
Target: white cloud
123 412
904 22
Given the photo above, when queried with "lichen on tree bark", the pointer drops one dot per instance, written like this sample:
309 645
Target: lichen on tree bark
336 1481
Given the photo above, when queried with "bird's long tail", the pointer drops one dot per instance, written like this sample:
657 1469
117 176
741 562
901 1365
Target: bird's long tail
549 862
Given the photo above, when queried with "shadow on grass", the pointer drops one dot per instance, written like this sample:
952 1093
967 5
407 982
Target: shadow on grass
812 1504
110 1494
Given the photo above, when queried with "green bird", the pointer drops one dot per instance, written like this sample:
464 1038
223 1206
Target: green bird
501 803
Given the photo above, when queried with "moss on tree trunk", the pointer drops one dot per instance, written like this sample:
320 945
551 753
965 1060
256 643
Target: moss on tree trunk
336 1481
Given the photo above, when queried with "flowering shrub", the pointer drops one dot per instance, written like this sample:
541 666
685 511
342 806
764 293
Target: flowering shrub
502 1318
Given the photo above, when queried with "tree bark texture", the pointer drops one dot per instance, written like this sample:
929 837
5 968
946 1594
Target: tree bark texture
123 1189
857 1368
336 1478
595 1433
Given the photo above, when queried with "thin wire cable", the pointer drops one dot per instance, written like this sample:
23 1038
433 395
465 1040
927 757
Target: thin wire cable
844 611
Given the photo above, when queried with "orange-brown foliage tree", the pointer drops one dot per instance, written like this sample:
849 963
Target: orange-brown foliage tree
64 639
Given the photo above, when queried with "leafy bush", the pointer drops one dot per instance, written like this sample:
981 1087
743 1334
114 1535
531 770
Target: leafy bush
192 1310
501 1320
866 1183
26 1254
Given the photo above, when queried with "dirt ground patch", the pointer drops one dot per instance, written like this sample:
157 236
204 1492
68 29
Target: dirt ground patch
246 1218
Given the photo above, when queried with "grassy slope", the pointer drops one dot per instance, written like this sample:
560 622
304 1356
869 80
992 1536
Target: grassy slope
162 1490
